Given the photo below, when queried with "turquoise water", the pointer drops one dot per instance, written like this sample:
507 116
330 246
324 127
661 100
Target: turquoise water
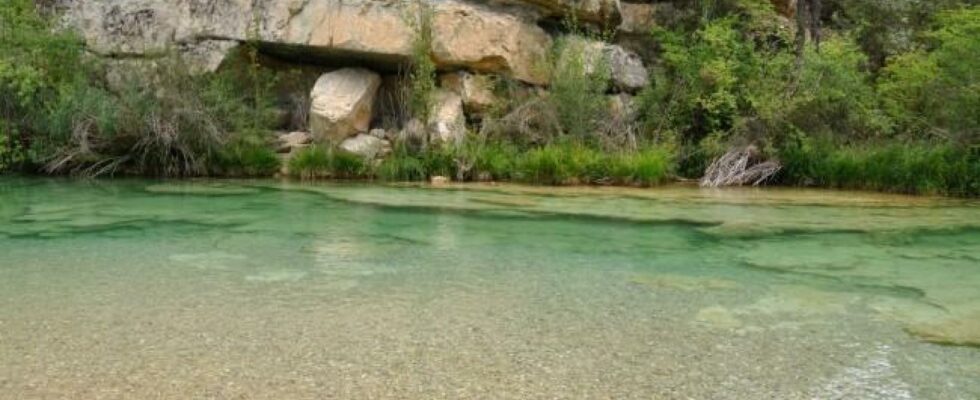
136 289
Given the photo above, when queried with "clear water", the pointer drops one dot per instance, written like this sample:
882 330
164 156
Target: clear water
134 289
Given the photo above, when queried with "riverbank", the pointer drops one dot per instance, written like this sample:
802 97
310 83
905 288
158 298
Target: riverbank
924 169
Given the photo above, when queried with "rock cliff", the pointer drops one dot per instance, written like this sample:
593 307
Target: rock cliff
360 42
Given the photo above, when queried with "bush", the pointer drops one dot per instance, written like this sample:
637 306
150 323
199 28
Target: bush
580 77
935 91
37 66
422 79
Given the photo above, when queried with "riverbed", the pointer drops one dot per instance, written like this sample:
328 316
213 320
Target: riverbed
275 290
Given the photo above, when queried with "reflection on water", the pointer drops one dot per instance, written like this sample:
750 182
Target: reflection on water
126 289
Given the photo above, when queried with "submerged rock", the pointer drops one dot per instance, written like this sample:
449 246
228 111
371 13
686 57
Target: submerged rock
200 189
685 283
719 317
963 330
342 102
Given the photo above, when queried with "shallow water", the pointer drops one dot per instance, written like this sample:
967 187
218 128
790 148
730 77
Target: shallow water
134 289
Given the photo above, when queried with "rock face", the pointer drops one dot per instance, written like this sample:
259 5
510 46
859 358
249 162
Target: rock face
475 45
342 103
485 40
448 124
373 32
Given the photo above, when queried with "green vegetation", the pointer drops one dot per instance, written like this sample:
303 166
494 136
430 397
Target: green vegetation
870 94
422 79
892 167
60 114
876 106
554 164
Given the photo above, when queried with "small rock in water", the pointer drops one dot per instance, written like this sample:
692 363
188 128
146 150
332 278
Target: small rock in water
719 317
276 276
685 283
439 180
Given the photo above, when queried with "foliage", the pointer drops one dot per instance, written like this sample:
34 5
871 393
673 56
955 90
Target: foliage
580 77
36 64
936 90
247 159
422 79
885 28
402 165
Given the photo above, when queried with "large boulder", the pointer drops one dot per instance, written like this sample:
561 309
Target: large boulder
447 122
483 39
287 142
475 90
625 68
341 103
363 145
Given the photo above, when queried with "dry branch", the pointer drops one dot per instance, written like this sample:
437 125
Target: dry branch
740 166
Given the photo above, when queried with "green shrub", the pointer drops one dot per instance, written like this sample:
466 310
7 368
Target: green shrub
936 90
37 66
579 80
422 78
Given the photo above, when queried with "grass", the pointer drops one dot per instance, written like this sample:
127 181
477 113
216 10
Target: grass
247 160
320 162
556 164
912 168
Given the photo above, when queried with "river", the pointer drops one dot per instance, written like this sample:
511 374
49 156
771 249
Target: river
266 289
